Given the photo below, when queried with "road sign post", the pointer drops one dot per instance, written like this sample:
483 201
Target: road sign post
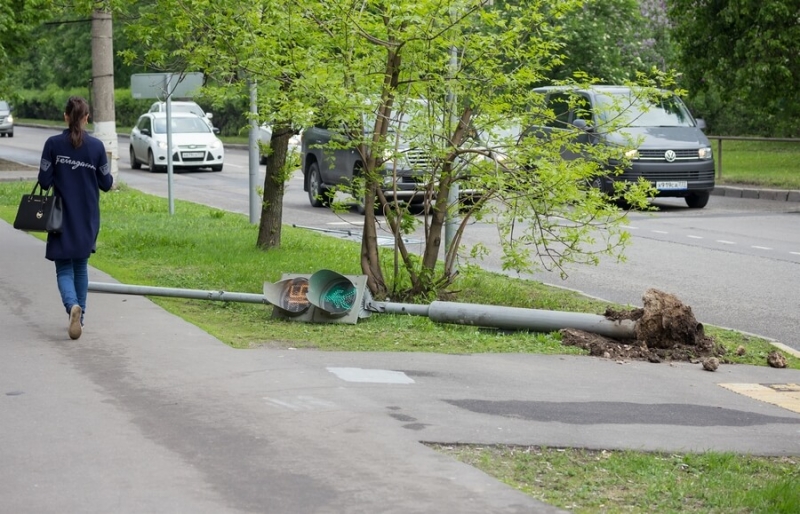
166 85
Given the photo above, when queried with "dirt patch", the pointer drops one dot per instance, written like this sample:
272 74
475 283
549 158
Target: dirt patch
665 330
14 166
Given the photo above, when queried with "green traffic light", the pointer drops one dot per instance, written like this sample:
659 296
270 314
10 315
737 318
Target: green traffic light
332 292
339 297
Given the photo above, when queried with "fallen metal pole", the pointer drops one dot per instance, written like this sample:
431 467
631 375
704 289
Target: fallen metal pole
493 316
412 309
511 318
195 294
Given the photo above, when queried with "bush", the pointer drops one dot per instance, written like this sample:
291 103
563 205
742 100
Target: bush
48 104
128 109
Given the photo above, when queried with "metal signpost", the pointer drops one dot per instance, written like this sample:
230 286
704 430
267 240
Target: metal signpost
166 85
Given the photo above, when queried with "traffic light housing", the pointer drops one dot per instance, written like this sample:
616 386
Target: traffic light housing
288 297
322 297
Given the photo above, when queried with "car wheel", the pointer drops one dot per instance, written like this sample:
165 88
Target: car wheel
361 202
316 193
216 168
136 165
358 191
151 162
698 200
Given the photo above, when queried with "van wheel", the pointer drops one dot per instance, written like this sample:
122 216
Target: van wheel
600 184
316 193
697 200
136 165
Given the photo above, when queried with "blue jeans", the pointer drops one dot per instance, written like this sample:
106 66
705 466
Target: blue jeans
73 282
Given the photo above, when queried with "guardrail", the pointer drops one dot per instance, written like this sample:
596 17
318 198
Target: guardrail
720 139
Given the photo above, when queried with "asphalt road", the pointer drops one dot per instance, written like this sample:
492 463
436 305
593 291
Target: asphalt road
736 262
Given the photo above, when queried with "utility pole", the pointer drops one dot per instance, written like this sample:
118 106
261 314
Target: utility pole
103 115
255 201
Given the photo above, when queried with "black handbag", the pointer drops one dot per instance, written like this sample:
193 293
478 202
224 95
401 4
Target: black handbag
40 212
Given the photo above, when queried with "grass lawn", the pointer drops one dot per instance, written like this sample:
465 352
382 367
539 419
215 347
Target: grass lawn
762 163
589 481
205 248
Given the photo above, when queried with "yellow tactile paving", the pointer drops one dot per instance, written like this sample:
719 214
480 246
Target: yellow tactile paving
782 395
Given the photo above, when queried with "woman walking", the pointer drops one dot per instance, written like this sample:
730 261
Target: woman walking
75 164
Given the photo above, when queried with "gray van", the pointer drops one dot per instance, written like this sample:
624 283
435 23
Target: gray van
672 152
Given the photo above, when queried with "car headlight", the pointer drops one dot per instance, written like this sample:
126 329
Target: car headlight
632 154
162 145
10 119
704 153
215 144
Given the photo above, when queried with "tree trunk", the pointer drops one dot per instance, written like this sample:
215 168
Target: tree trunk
370 259
269 229
370 252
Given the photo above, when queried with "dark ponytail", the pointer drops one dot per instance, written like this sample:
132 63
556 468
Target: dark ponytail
76 110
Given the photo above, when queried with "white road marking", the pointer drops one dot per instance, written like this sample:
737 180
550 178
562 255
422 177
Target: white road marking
725 242
761 248
301 403
659 232
375 376
694 237
795 253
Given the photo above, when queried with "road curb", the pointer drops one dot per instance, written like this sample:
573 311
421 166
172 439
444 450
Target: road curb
780 195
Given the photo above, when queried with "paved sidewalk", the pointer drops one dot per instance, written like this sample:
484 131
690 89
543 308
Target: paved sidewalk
147 413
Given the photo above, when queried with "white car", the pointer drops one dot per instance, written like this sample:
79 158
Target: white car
194 143
183 106
265 136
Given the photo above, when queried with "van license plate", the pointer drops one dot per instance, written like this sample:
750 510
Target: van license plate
678 184
192 155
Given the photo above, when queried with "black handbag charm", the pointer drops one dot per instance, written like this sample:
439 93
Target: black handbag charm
40 212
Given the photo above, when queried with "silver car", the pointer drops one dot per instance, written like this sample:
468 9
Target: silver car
6 120
183 106
194 143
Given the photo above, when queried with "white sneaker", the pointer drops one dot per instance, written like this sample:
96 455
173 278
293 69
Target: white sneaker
75 329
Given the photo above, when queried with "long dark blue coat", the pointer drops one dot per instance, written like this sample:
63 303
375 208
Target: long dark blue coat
78 175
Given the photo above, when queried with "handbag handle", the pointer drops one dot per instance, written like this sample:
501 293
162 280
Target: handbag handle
42 191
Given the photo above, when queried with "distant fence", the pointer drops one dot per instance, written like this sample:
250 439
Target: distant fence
720 139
